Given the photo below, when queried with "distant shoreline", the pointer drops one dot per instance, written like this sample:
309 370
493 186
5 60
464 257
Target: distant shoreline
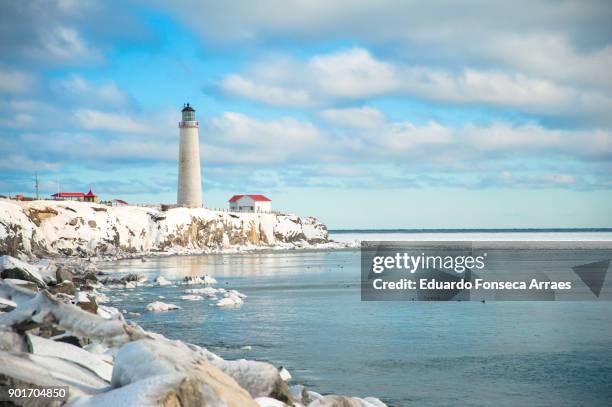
476 230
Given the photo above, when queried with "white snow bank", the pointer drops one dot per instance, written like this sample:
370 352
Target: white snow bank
81 357
81 228
158 306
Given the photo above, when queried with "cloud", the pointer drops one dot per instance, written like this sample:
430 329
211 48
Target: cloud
14 81
355 74
242 150
241 139
551 56
78 89
271 95
64 44
357 117
90 119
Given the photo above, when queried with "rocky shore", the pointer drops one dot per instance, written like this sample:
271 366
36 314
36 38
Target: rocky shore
56 331
81 229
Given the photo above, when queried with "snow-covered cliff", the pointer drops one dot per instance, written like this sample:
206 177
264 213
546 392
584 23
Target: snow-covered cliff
86 229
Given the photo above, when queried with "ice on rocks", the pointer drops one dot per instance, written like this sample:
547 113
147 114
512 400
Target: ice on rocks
209 291
269 402
162 281
231 301
174 360
74 354
191 297
284 374
197 280
158 306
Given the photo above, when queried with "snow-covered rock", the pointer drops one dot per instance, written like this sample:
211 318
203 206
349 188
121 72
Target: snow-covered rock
88 229
197 280
343 401
230 301
74 354
10 267
208 291
191 297
284 374
158 306
161 281
173 360
269 402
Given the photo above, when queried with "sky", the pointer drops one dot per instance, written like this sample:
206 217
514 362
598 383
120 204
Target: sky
365 114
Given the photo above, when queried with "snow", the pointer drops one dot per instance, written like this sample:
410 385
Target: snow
269 402
197 280
91 361
163 358
6 303
208 291
161 281
73 319
191 297
50 371
332 401
8 262
231 301
284 374
81 228
143 393
158 306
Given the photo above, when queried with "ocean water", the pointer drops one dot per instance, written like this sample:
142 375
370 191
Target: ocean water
304 312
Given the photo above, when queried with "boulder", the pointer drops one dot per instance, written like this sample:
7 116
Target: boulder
67 287
90 275
163 359
89 306
343 401
63 275
336 401
24 370
11 267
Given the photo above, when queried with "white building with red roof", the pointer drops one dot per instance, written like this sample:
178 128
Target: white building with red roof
250 203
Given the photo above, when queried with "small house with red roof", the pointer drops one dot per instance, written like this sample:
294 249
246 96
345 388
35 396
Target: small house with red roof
250 203
90 197
76 196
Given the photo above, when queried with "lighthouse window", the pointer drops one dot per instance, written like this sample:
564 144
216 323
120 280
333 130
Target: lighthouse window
189 116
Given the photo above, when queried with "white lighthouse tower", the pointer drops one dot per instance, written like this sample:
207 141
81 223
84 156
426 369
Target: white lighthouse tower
189 179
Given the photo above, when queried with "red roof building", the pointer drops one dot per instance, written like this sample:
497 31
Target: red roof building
76 196
257 198
250 203
90 197
69 195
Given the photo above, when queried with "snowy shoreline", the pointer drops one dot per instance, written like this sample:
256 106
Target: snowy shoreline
56 331
79 229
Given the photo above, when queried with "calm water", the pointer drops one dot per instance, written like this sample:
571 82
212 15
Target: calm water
304 312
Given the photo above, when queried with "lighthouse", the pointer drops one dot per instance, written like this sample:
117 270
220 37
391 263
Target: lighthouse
189 180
